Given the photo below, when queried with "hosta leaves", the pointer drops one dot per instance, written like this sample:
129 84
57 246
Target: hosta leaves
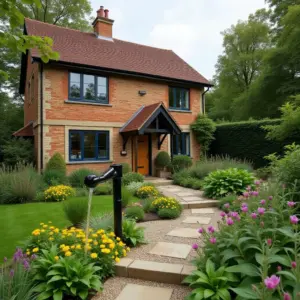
229 254
223 294
244 269
58 295
245 292
208 293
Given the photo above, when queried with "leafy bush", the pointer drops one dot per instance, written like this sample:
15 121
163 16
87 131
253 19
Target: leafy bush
132 177
104 189
181 162
168 213
223 182
132 235
127 196
165 202
126 168
56 162
58 277
54 177
101 221
147 192
82 192
17 151
147 203
76 178
162 160
135 212
134 186
263 173
75 210
19 184
204 129
58 193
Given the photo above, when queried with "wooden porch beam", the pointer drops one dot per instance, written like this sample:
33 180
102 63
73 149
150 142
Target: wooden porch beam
161 140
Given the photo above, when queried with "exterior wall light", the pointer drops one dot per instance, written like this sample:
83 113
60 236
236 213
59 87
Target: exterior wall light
142 93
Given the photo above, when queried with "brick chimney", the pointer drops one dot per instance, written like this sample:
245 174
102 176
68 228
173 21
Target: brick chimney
102 24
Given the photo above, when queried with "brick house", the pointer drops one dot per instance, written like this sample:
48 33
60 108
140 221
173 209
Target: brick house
106 100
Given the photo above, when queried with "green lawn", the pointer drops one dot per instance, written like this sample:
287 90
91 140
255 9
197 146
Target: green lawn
19 220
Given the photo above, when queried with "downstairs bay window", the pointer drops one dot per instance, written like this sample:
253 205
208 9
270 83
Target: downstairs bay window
86 145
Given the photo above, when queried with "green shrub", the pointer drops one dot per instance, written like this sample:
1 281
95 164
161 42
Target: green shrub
147 203
132 177
134 186
104 189
58 193
135 212
127 197
132 235
56 162
75 210
184 178
17 151
82 192
39 197
230 198
76 178
101 221
181 162
223 182
147 192
126 168
162 160
165 202
54 177
263 173
167 213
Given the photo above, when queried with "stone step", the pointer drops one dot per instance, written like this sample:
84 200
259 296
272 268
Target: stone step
158 181
201 204
153 271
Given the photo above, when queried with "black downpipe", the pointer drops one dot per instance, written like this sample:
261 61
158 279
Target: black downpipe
203 99
41 118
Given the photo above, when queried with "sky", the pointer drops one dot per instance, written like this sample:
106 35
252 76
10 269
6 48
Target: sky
191 28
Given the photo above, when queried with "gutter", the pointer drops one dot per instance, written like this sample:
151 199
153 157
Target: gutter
41 118
203 99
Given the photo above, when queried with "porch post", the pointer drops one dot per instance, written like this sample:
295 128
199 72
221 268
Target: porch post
136 153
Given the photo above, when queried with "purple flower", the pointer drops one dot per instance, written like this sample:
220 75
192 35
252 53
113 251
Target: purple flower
226 205
261 210
286 296
244 208
18 254
294 265
269 242
253 215
11 273
234 214
246 194
270 198
213 240
291 203
5 259
257 182
33 256
201 230
255 193
272 282
195 246
229 221
294 219
244 204
263 202
26 264
211 229
222 214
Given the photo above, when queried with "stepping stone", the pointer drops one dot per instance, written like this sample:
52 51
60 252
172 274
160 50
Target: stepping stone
192 198
143 292
173 190
171 250
204 203
197 220
185 233
203 211
184 194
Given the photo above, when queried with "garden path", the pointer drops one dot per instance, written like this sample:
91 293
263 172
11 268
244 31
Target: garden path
156 269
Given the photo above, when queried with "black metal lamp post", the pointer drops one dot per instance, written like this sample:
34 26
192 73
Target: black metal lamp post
115 173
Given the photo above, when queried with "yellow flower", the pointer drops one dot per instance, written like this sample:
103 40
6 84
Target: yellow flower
45 226
94 235
42 224
51 239
61 246
66 248
116 253
94 255
34 250
28 253
73 247
102 246
117 259
78 246
95 243
56 258
118 239
56 230
105 251
68 253
128 249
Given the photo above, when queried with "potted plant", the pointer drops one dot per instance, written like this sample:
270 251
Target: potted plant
162 161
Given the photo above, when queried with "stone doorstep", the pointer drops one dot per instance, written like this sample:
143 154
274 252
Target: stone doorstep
203 204
153 271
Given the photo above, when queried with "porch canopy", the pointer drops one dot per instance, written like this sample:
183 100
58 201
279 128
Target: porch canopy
26 131
150 119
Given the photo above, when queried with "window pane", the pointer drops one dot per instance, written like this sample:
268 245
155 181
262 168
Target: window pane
171 98
75 146
177 98
75 85
102 145
186 144
102 89
174 144
89 87
89 145
185 99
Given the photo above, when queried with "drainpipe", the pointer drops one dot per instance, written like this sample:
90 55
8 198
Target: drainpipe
41 118
203 99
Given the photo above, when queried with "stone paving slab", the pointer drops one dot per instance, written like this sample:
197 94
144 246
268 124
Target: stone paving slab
184 194
203 211
171 250
184 233
122 265
143 292
174 189
197 220
203 203
192 198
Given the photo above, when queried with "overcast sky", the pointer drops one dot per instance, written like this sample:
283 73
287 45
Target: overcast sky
191 28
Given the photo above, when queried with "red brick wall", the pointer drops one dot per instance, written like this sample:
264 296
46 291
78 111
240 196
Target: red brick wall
103 29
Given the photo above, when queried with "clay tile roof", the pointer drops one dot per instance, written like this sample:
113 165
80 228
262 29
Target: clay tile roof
85 48
25 131
140 117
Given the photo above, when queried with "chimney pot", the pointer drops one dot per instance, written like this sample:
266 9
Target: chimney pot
106 12
100 12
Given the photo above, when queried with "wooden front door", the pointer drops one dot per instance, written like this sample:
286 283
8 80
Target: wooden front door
143 154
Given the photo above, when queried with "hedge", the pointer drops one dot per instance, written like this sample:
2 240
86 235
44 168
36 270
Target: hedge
247 140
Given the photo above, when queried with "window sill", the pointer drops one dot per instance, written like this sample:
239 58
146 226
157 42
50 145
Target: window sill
88 162
88 103
180 110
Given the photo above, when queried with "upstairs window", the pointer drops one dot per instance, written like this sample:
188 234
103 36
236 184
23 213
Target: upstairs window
90 88
181 144
179 98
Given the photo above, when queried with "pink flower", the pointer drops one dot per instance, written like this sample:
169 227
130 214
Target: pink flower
195 246
201 230
246 194
294 265
270 198
244 204
234 214
286 296
294 219
248 188
255 193
226 205
229 221
279 268
269 242
244 208
291 203
253 215
272 282
213 240
238 218
261 210
222 214
211 229
257 182
263 202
